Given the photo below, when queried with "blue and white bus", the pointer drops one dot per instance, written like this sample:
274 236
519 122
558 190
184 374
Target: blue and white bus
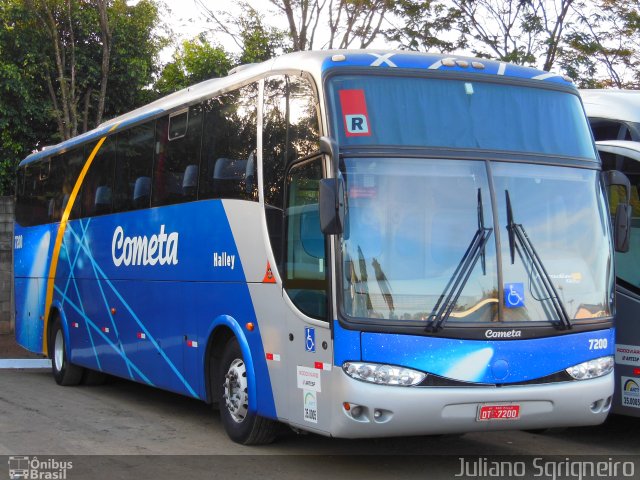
352 243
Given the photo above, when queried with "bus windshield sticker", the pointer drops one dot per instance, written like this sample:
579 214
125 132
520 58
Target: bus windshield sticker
354 112
514 295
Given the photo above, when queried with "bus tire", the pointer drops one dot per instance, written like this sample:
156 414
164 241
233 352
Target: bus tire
64 372
232 392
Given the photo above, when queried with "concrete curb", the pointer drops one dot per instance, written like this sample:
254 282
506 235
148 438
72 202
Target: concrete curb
7 363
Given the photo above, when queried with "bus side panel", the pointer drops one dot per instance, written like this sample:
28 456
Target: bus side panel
31 268
144 312
626 398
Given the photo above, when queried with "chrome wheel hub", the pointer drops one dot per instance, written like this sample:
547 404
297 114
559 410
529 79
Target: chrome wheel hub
58 350
236 395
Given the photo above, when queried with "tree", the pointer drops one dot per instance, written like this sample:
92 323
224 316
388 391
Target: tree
356 22
605 46
25 120
351 23
596 43
78 40
256 41
194 61
64 66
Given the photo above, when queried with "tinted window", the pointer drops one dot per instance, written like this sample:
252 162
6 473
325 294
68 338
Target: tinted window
627 264
228 167
305 276
370 110
132 189
290 132
69 169
177 157
32 207
97 189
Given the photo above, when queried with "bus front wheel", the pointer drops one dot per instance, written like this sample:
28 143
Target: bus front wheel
241 425
64 372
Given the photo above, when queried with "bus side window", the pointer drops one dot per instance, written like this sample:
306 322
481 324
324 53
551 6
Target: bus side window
32 205
177 153
290 132
305 277
69 169
228 166
134 161
97 188
628 263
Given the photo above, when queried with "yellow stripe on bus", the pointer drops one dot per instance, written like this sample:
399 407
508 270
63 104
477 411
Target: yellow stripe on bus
58 245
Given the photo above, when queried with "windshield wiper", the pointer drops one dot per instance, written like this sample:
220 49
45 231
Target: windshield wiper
517 232
449 297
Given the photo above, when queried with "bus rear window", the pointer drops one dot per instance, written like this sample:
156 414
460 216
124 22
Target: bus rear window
422 112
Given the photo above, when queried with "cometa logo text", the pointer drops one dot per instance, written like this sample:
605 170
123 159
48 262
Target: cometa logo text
503 333
142 250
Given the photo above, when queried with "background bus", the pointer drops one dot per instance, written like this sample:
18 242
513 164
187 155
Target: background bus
615 120
357 244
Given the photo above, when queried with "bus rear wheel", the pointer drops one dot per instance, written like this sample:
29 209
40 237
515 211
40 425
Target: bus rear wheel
232 391
64 372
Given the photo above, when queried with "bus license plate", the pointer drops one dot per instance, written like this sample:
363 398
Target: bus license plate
498 412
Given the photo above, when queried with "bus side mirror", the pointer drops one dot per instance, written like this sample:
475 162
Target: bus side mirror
622 228
622 219
332 206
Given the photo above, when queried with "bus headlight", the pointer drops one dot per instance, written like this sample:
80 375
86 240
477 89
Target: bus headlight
592 369
383 374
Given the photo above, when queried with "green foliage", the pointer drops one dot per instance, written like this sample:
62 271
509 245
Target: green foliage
195 61
28 63
25 120
259 42
597 43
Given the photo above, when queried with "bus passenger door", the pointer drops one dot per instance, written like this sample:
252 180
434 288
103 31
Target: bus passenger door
305 281
626 158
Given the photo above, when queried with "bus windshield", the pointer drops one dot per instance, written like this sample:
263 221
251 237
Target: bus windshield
422 112
411 222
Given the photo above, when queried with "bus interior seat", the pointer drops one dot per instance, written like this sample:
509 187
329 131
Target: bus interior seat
65 200
250 173
51 210
142 192
102 203
190 181
229 177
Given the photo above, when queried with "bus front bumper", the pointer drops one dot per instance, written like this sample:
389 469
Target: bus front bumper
386 411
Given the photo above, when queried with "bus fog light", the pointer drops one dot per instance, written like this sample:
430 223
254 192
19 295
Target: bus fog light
592 369
383 374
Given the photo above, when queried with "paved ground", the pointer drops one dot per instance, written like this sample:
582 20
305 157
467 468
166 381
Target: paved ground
127 430
10 349
123 417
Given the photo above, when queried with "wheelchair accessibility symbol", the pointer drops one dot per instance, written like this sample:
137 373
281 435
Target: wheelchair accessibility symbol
310 339
514 295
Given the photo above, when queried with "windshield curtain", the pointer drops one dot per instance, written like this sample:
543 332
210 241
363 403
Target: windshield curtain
423 112
410 222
